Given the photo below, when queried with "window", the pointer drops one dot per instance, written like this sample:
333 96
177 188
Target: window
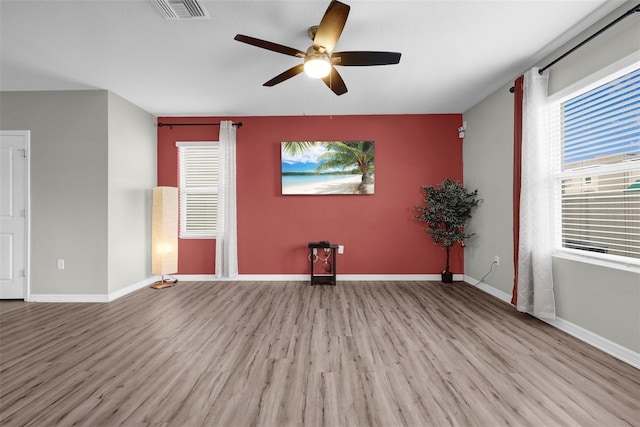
198 173
596 141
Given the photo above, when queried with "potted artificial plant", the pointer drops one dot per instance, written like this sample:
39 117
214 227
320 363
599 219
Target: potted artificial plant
446 211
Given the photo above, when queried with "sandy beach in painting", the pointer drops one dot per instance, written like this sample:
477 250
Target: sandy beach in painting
342 185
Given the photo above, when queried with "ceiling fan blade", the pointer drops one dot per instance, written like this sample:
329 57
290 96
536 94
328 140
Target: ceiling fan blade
331 26
365 58
291 72
270 46
335 82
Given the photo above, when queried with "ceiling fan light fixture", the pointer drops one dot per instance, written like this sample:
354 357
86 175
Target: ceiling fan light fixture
317 65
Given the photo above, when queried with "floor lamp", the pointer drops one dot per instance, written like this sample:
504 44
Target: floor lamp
164 235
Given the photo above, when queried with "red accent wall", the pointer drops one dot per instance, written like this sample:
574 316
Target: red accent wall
378 232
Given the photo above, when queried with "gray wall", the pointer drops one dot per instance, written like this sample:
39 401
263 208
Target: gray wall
132 175
602 300
68 186
488 167
72 170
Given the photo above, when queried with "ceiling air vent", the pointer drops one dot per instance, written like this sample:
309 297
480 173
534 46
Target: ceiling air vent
181 9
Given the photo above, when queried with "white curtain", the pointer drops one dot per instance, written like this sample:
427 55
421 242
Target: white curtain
535 279
227 239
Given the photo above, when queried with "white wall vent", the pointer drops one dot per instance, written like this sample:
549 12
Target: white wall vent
181 9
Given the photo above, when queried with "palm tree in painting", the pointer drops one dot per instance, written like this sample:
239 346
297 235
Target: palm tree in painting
296 147
353 155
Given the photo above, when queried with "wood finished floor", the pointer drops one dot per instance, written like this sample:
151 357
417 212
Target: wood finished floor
288 354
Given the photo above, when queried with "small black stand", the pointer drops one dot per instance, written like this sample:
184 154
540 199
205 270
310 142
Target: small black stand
322 263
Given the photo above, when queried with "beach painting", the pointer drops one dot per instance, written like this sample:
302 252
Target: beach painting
328 167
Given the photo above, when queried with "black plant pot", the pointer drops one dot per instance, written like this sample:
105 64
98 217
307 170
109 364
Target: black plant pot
447 277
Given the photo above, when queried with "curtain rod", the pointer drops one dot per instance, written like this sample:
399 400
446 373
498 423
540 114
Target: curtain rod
629 12
171 125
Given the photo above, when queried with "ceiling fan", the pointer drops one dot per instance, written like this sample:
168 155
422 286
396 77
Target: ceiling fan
319 59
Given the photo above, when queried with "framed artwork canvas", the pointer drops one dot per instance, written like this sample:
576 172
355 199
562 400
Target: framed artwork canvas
328 167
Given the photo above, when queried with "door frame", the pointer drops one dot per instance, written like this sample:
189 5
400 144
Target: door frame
27 202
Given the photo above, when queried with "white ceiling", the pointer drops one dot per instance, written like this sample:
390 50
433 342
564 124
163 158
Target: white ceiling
454 53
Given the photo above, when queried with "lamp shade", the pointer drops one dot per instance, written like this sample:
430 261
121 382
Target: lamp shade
164 230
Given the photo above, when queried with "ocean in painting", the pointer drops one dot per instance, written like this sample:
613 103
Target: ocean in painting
295 180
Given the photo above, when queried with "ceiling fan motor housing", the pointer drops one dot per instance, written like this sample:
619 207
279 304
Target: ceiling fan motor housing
311 32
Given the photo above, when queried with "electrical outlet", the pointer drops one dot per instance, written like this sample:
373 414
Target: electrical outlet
60 264
340 249
496 260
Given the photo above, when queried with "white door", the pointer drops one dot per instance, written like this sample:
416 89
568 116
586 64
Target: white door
14 147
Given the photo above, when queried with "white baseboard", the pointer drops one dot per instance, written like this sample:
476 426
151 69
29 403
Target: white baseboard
132 288
303 277
616 350
68 298
395 277
91 298
488 289
102 298
194 277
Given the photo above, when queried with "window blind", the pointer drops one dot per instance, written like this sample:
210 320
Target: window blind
599 175
602 124
198 170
